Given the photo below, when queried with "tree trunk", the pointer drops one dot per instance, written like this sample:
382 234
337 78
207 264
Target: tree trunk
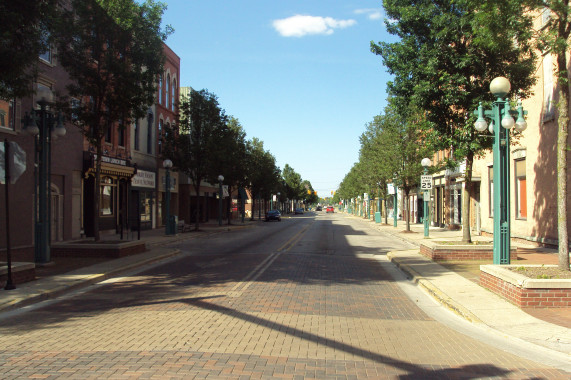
97 193
229 204
253 206
562 151
466 234
405 210
197 209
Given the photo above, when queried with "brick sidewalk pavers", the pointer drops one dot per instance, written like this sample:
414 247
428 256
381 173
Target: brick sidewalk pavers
305 316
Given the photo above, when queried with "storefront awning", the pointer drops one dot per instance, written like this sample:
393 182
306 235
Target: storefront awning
112 170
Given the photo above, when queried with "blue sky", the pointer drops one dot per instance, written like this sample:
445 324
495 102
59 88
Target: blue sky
299 75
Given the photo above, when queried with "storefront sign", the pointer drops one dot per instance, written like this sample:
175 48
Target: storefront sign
144 178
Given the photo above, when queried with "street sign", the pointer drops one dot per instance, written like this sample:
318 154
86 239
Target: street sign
17 161
426 195
390 188
426 182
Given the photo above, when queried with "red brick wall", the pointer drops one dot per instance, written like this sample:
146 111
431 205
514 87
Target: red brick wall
523 297
454 254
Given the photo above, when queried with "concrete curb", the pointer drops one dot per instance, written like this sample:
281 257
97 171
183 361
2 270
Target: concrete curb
65 286
435 292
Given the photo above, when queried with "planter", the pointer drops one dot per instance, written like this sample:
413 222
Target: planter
21 272
109 249
460 252
523 291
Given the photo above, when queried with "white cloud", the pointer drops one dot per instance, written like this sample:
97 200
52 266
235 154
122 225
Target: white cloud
372 13
301 25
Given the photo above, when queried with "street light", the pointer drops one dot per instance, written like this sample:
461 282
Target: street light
45 127
426 196
169 227
220 180
278 201
501 114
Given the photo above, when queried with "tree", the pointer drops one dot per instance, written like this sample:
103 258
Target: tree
444 62
26 32
294 188
112 52
192 144
230 157
263 176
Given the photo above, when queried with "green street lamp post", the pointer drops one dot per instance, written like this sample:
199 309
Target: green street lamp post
169 226
278 201
501 116
220 194
42 125
426 163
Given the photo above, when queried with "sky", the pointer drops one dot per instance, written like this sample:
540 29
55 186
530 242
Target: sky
298 74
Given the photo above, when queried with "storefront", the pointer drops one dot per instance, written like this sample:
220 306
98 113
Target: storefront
113 193
143 198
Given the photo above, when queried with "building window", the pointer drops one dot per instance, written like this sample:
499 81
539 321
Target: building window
136 133
160 89
47 54
75 107
121 133
8 114
491 189
520 189
108 134
167 89
107 196
160 136
173 94
548 109
150 119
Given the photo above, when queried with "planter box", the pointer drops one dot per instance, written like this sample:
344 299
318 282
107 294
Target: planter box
460 252
99 249
523 291
21 272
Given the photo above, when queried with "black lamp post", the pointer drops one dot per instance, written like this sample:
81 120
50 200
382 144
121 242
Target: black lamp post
220 180
169 227
45 127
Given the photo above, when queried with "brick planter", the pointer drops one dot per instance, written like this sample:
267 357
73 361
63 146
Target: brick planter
450 252
21 272
100 249
523 291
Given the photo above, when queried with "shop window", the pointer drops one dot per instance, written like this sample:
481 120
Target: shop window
107 200
491 190
520 189
146 205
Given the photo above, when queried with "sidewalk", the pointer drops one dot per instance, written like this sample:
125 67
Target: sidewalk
71 274
455 286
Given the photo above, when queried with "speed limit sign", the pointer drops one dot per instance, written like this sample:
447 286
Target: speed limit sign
426 182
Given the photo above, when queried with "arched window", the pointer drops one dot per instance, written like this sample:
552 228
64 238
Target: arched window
173 93
160 89
167 85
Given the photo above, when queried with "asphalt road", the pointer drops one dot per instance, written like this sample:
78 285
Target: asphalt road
312 296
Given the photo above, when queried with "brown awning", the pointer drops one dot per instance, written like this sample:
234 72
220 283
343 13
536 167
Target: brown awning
112 170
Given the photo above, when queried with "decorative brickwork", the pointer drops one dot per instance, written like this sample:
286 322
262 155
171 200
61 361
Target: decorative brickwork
460 252
526 293
20 273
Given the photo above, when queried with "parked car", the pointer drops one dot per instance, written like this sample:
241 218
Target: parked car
330 209
298 210
273 215
318 208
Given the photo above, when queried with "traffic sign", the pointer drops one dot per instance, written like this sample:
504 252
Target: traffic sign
17 161
426 182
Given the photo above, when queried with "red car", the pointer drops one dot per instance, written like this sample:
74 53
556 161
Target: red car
330 209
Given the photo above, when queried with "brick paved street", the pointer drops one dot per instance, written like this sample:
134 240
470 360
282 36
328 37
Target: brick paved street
313 306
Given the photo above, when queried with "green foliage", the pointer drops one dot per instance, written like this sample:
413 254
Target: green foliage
25 34
263 176
113 53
